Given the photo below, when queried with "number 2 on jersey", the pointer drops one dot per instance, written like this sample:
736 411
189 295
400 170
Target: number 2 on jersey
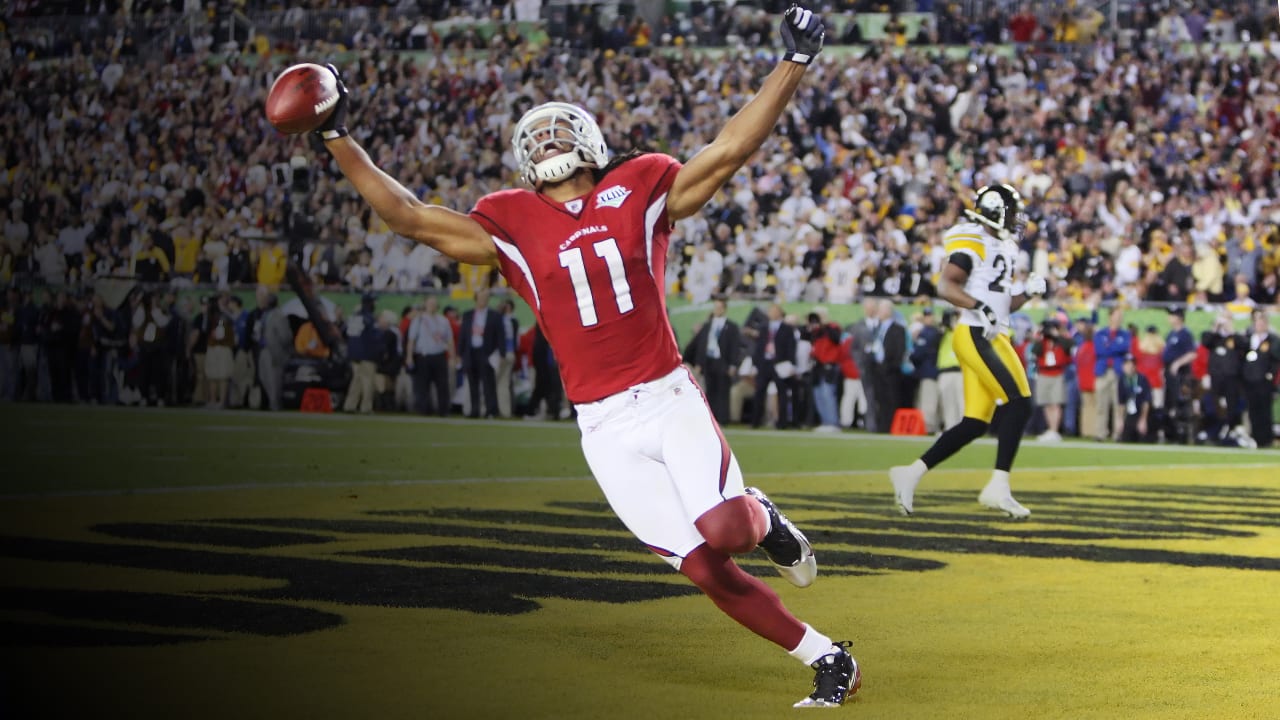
606 250
1002 270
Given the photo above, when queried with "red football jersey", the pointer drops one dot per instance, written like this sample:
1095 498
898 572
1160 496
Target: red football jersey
593 270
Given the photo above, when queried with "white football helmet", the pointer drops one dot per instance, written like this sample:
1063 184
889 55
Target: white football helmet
565 128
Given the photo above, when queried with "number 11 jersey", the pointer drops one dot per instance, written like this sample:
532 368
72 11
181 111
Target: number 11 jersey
594 271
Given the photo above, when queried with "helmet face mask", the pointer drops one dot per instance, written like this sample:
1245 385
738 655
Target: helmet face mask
1000 207
554 140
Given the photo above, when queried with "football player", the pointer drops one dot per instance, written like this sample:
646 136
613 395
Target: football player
978 279
586 248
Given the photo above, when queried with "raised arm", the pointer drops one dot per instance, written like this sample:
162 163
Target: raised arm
451 232
802 33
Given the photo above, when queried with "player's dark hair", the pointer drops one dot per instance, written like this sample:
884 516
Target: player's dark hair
616 162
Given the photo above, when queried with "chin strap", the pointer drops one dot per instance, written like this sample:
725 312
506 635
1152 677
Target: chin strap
555 169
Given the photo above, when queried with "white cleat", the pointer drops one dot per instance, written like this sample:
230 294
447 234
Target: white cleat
904 488
1004 502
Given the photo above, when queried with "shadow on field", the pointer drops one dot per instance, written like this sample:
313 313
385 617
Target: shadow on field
504 562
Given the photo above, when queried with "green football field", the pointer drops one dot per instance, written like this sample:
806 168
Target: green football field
192 564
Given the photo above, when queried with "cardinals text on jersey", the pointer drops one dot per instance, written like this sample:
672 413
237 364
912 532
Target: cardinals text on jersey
991 280
593 270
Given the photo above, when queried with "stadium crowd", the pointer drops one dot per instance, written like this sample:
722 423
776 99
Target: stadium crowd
1148 158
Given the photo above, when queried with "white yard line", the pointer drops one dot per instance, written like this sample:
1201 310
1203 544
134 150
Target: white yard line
402 482
792 435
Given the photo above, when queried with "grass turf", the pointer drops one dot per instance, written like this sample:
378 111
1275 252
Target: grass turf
183 563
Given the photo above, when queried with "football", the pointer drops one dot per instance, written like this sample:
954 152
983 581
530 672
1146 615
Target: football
302 98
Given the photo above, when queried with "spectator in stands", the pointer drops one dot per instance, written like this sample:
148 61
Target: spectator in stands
1177 281
225 200
702 276
1024 27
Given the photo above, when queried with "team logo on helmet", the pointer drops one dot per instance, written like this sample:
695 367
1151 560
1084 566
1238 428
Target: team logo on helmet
1000 208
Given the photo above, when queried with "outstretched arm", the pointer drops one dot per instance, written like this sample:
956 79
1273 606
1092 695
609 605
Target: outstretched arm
452 233
708 171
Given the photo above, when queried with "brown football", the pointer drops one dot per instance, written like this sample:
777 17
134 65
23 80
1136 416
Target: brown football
302 98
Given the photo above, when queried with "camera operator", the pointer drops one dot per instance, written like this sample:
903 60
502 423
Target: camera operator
1051 353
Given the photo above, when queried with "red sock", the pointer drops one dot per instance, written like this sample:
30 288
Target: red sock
742 597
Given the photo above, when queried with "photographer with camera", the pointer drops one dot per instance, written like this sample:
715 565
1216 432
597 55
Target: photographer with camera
1051 354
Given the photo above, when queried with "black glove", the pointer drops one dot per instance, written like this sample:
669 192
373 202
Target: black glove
802 33
336 125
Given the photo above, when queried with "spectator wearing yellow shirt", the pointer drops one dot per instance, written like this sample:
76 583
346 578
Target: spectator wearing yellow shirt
1066 30
149 263
186 250
271 264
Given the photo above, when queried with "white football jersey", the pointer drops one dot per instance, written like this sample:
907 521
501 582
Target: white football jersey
991 280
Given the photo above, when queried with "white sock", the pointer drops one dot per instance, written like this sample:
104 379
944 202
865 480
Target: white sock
918 468
812 646
1000 481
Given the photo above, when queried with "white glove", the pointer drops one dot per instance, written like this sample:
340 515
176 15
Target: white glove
1036 285
990 323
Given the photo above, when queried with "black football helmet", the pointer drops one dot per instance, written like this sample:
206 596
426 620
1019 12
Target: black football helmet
1000 208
